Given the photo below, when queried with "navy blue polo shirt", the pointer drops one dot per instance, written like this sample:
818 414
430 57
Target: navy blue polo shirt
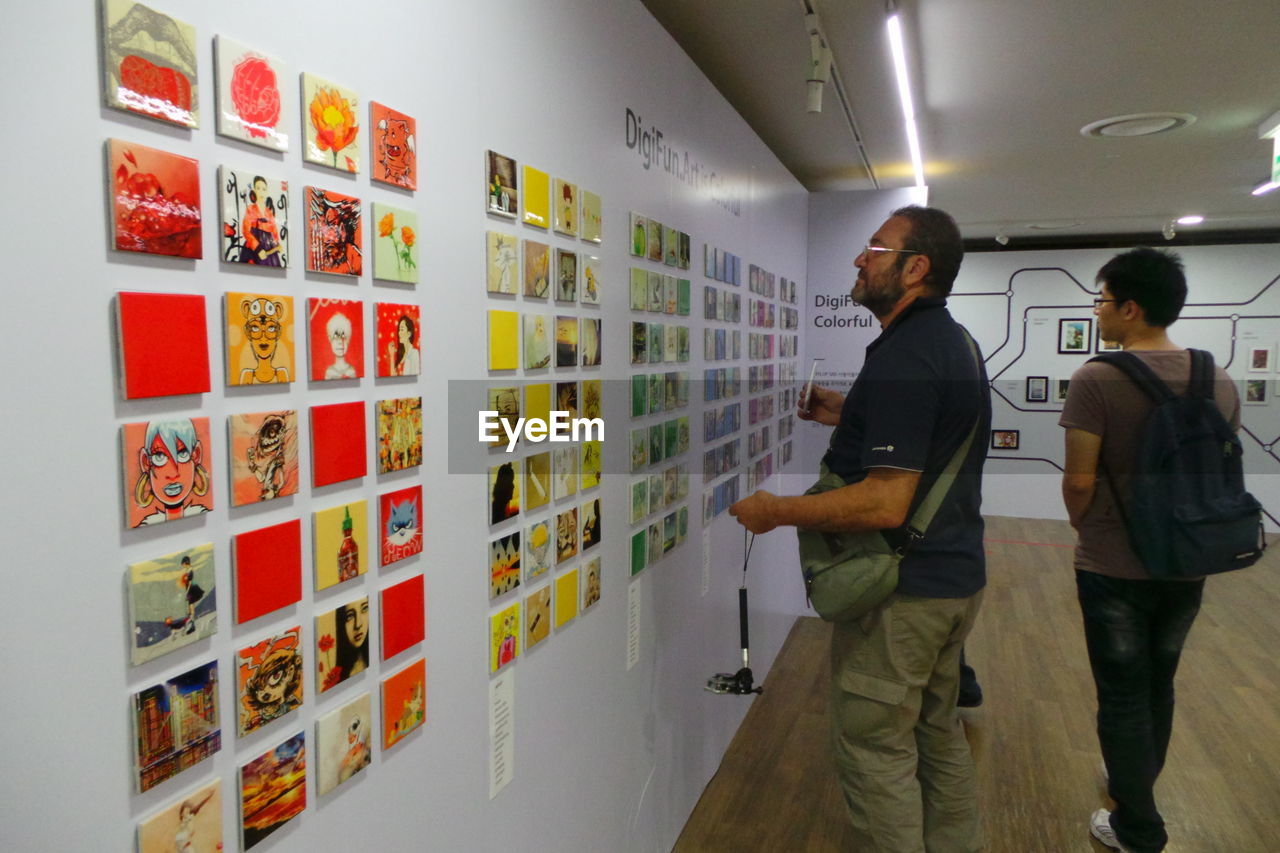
911 408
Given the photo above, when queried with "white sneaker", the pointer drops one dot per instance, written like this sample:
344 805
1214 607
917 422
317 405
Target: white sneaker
1100 828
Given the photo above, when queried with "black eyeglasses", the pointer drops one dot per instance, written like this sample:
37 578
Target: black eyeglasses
1098 302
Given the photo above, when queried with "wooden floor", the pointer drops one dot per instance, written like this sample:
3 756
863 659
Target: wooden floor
1033 738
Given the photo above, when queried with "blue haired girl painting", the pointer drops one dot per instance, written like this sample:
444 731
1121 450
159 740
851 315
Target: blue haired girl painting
166 470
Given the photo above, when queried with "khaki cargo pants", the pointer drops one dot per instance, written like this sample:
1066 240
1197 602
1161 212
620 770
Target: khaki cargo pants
901 756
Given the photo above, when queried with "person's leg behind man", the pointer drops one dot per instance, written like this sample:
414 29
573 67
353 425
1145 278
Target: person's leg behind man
946 772
1179 606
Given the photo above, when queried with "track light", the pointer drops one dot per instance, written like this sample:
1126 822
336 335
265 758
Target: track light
819 63
1168 230
1002 238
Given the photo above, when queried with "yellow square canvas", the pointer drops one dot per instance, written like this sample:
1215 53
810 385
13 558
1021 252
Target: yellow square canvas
341 543
504 340
537 401
537 197
566 598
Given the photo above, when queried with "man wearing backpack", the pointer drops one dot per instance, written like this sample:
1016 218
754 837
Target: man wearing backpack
1135 623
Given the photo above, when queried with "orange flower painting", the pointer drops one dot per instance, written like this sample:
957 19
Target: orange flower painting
395 257
331 128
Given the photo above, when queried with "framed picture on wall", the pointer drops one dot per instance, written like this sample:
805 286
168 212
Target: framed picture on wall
1260 359
1104 346
1037 389
1060 390
1255 392
1074 335
1004 439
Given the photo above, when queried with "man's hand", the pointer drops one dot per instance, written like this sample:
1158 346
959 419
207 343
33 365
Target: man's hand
755 512
823 405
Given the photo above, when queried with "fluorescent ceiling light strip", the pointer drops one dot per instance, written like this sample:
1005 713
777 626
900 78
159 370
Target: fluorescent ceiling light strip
904 93
1261 189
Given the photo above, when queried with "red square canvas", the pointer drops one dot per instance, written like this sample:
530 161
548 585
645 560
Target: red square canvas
337 443
268 569
164 348
403 616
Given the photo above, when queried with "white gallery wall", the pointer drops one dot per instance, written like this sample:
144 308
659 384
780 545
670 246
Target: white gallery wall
1013 302
605 757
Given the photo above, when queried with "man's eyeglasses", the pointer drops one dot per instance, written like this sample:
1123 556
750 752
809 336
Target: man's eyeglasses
870 250
1098 302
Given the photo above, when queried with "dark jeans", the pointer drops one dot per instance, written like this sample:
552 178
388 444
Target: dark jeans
1135 631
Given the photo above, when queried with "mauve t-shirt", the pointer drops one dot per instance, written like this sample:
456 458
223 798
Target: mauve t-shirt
1104 401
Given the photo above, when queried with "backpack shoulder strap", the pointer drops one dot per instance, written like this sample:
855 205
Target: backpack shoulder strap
1137 370
1201 374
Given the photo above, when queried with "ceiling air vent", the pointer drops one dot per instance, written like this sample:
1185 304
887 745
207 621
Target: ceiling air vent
1137 124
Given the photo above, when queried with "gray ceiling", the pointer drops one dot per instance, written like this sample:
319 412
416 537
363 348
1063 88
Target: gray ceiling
1002 89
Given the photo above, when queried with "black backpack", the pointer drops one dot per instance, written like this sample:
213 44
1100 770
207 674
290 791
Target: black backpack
1188 514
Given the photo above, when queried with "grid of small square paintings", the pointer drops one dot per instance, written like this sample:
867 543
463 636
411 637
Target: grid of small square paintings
168 461
544 505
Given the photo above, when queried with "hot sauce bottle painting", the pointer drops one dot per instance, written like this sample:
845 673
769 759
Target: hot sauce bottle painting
400 524
165 466
149 63
395 146
250 105
255 218
334 234
156 201
341 543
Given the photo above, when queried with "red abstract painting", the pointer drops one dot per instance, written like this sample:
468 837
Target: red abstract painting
156 201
